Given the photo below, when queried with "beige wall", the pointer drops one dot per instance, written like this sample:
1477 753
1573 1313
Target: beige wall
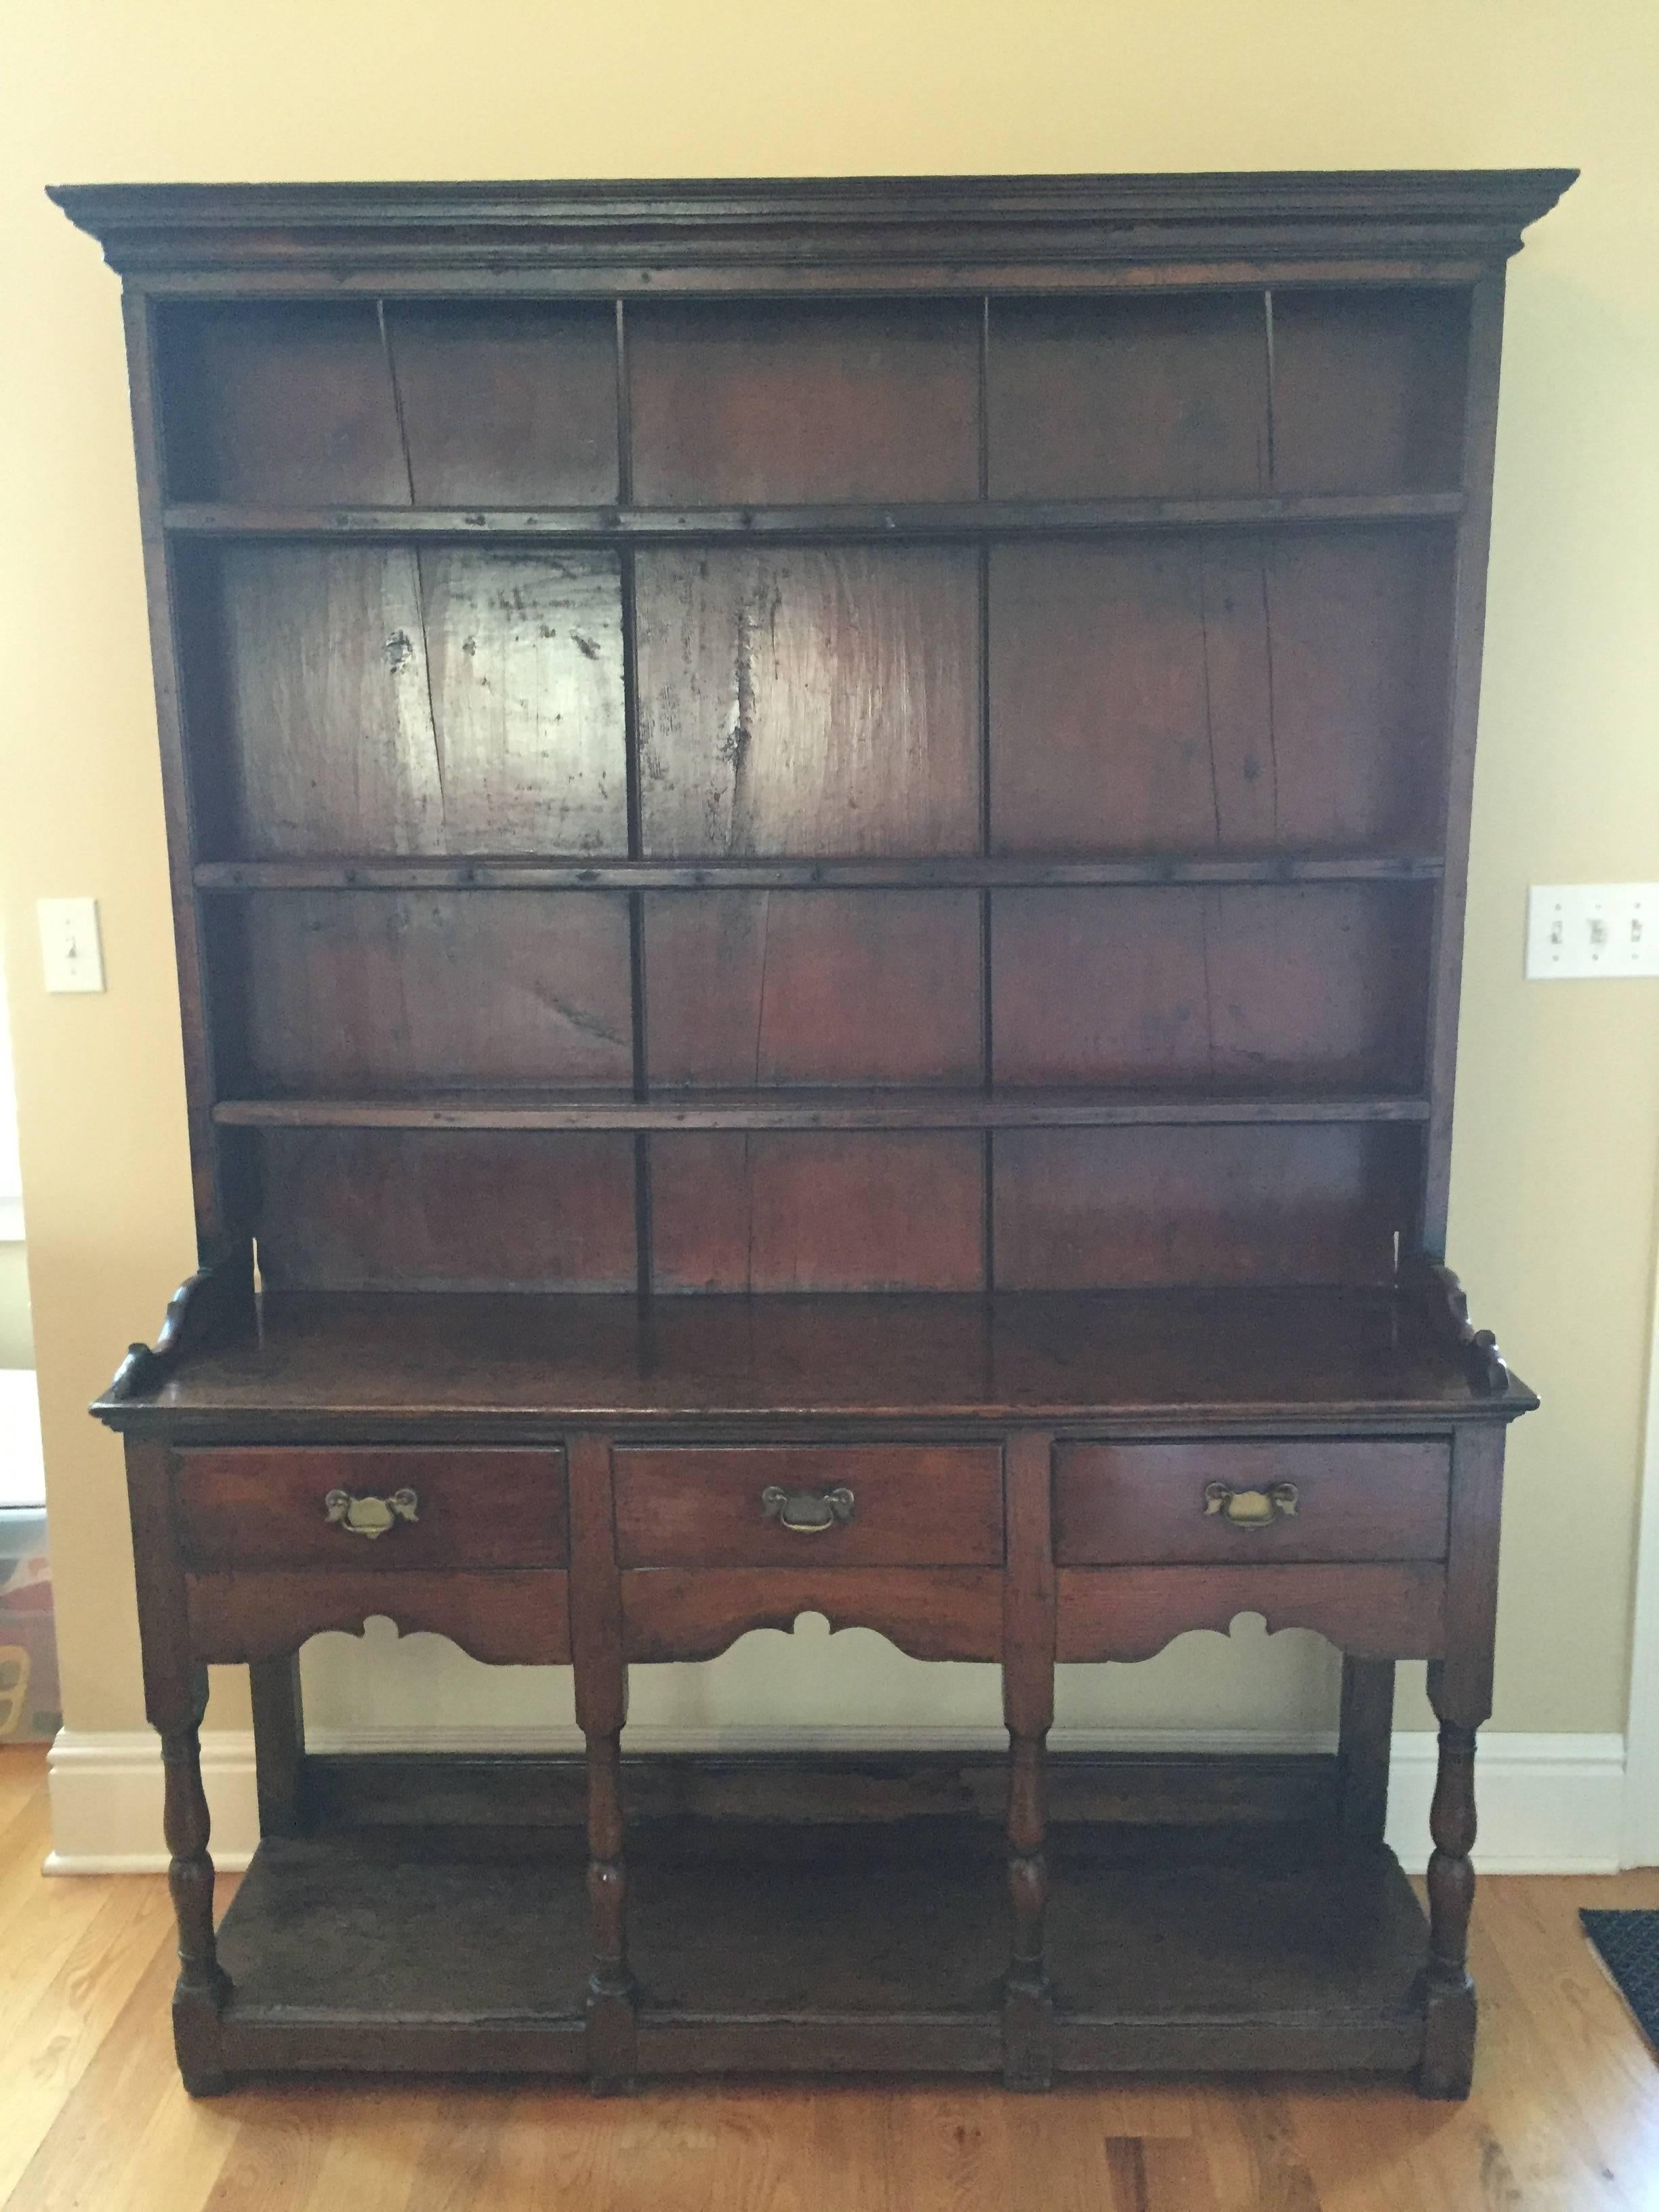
16 1344
1555 1166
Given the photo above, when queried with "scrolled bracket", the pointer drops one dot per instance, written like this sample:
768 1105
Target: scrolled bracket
1446 1303
209 1307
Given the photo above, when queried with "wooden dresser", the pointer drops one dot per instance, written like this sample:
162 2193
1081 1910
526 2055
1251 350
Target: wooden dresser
818 833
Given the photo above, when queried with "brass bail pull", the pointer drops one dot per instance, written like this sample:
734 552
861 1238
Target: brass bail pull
1251 1509
807 1512
370 1517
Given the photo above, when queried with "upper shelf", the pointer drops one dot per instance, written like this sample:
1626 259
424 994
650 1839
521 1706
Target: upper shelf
930 519
916 1108
936 872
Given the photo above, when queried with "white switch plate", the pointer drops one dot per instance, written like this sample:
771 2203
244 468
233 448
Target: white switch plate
70 954
1592 929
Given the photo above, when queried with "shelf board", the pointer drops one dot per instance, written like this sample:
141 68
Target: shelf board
918 1109
409 1951
944 872
963 519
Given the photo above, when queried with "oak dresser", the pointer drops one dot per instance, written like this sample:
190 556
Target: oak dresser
818 836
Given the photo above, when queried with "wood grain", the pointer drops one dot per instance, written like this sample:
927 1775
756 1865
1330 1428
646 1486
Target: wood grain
511 403
809 701
779 401
359 1209
416 403
915 1506
815 987
1127 1504
501 1615
1078 1208
483 694
399 991
1368 389
817 1213
1262 983
1216 693
245 1506
937 1612
1120 398
1565 2095
1372 1612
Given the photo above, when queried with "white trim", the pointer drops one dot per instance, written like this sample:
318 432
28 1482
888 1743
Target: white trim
1549 1804
1641 1829
11 1218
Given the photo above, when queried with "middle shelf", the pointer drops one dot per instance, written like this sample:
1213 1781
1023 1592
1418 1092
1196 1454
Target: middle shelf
908 1108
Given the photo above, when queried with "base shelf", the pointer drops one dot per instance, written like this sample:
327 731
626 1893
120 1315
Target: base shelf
416 1952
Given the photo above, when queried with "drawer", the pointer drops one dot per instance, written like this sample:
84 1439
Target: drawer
1174 1504
371 1509
855 1505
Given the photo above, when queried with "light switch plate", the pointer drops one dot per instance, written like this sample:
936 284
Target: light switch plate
1578 930
71 956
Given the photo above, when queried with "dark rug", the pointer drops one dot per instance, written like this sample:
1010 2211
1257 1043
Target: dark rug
1629 1945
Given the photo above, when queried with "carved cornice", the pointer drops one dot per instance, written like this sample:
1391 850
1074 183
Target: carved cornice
967 228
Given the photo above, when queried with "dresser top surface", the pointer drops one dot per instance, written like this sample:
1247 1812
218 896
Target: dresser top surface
1292 1357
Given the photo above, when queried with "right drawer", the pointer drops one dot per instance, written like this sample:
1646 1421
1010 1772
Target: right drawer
1174 1504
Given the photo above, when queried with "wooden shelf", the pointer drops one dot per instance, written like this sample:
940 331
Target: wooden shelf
966 872
519 1365
965 518
812 1109
445 1962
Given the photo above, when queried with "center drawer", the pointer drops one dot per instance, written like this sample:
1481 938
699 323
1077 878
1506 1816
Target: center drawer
253 1506
1171 1504
765 1505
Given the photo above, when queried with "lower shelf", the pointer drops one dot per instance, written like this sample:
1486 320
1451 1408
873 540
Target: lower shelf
429 1955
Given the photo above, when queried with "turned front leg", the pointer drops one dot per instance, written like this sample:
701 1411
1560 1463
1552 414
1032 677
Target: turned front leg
1028 1698
1449 2005
601 1673
610 1989
1027 2005
175 1698
199 1995
1459 1690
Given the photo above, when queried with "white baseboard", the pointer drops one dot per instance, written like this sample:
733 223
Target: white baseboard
1549 1804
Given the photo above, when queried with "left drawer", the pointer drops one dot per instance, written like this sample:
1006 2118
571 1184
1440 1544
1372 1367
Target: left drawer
248 1507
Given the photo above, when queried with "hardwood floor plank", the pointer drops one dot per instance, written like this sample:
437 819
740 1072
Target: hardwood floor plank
1249 2136
1520 2141
1565 2116
281 2144
372 2158
127 2134
64 2033
23 1776
1577 2017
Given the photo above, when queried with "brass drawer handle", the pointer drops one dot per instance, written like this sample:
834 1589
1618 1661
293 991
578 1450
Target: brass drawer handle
1251 1509
370 1517
808 1513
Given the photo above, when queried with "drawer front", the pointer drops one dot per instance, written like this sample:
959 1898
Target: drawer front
855 1505
1244 1503
370 1510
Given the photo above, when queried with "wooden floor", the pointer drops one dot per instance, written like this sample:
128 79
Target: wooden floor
1565 2116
